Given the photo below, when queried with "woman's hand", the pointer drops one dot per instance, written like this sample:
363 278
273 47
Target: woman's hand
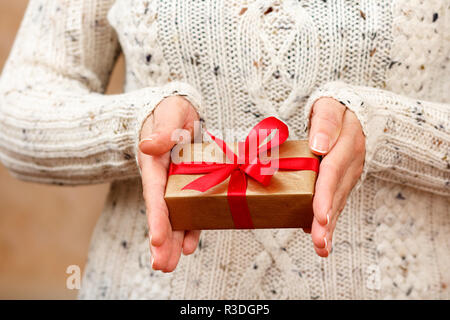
154 157
336 134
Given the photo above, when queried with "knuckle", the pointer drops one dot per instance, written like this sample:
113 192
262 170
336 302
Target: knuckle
358 172
158 208
148 208
164 211
332 169
185 102
350 114
155 185
341 208
360 145
181 102
319 209
329 103
326 120
324 102
144 184
352 119
144 195
360 168
342 201
316 238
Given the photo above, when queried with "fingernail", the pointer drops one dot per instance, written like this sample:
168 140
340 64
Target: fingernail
149 138
320 143
152 261
150 239
328 219
326 242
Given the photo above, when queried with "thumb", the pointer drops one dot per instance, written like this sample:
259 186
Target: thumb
326 123
171 114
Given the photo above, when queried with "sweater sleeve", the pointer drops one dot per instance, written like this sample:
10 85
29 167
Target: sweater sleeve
56 125
407 140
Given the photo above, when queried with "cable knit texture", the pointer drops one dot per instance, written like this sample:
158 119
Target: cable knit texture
237 62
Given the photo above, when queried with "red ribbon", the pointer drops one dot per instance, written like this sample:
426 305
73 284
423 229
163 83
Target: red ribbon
246 164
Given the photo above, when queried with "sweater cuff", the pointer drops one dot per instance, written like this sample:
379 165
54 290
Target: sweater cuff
348 96
149 98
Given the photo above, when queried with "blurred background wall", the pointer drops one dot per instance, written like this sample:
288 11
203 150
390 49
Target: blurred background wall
43 229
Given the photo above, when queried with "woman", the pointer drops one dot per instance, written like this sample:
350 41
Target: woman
357 78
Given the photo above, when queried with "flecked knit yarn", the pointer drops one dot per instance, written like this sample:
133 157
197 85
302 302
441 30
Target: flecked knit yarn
237 62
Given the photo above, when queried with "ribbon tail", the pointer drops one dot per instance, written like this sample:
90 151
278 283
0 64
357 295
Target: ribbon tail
195 167
210 180
238 202
298 164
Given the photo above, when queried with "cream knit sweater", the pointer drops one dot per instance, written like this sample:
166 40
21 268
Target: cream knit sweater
240 61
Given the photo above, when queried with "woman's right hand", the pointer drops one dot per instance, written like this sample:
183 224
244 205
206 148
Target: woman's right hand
166 245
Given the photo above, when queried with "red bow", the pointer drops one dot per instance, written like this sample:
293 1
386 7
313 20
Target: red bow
246 164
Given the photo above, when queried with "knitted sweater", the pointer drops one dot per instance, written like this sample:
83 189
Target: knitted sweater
237 62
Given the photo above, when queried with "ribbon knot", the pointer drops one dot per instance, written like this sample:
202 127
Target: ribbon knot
248 163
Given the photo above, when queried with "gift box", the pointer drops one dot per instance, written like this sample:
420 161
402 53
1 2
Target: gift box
228 190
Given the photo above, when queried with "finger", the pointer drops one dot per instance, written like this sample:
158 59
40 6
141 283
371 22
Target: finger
171 114
324 242
332 169
324 248
320 240
341 196
177 242
325 252
319 235
154 177
154 180
190 242
321 252
326 123
161 255
322 236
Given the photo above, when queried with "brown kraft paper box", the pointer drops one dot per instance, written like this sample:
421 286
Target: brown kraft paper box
285 203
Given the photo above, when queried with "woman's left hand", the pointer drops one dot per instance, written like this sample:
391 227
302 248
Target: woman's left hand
337 135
